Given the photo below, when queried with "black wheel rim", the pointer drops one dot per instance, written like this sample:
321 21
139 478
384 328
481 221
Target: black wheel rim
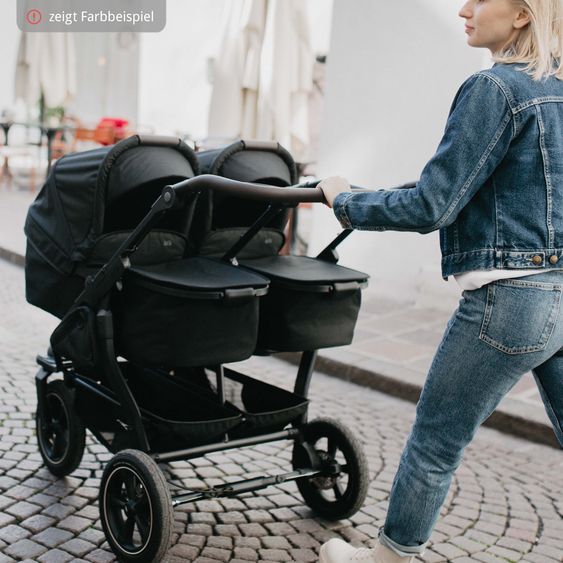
54 431
128 510
333 484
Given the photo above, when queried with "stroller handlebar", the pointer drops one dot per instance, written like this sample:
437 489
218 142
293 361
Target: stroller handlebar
262 192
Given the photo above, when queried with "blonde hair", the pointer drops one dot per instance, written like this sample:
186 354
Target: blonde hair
540 43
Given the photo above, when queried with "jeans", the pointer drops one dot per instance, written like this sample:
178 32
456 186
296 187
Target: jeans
498 333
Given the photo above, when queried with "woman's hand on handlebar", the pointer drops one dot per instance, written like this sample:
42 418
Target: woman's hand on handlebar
332 186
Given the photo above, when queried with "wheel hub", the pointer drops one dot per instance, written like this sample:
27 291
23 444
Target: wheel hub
330 471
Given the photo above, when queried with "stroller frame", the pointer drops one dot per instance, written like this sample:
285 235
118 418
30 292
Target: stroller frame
308 463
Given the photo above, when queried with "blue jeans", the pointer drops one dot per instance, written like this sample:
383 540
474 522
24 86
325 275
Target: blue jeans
498 333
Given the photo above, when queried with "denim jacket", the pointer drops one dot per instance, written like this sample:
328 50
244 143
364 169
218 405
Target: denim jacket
494 188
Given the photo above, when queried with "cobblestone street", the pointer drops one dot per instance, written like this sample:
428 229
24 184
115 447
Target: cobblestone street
506 502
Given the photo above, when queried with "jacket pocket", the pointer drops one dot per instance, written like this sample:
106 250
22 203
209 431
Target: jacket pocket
520 315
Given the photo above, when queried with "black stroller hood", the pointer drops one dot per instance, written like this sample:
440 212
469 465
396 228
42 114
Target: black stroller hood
68 215
222 218
239 161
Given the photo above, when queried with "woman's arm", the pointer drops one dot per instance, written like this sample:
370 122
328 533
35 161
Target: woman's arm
477 136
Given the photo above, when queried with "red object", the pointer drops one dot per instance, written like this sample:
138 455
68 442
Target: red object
118 125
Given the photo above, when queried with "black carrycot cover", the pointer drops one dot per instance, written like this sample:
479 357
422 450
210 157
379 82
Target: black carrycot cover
83 199
221 219
311 303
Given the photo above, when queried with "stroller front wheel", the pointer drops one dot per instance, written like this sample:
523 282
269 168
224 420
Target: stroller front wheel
136 507
60 433
340 489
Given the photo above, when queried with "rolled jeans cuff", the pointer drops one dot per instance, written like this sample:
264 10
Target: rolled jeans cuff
401 550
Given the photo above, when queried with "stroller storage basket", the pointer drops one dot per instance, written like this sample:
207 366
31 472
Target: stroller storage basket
191 312
311 303
265 407
175 414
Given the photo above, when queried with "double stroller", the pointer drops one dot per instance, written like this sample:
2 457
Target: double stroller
163 266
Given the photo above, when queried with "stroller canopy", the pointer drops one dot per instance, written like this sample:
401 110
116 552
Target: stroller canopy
89 193
246 161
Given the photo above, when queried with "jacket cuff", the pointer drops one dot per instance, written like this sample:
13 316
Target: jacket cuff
339 208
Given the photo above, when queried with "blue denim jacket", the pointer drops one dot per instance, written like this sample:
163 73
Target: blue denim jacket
494 188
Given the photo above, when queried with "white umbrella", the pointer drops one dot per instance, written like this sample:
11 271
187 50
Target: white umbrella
286 76
46 63
232 110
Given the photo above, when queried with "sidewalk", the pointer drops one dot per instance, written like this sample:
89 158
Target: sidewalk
504 504
392 350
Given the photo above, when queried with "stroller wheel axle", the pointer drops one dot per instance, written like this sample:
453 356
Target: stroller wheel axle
245 486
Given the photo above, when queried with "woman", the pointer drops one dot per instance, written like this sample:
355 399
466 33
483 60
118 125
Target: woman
495 190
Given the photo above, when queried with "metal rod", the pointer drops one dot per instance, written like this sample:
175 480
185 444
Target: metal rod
289 434
246 486
329 254
265 218
305 372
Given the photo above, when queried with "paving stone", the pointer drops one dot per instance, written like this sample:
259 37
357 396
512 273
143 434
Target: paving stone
184 551
245 553
56 556
216 553
274 554
23 549
52 537
505 493
75 524
37 523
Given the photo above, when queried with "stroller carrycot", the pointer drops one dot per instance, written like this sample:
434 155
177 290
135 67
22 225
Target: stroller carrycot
86 208
171 310
312 303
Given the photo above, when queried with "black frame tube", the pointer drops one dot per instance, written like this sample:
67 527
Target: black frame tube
289 434
245 486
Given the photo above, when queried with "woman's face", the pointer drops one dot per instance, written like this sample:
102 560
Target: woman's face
492 23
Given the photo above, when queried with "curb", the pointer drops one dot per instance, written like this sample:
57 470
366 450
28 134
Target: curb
392 384
12 257
396 386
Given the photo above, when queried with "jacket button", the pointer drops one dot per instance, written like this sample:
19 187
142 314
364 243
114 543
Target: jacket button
537 259
553 259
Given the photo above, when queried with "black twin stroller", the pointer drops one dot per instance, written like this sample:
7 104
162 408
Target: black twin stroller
161 275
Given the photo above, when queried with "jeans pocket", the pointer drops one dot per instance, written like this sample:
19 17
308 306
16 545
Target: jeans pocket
520 315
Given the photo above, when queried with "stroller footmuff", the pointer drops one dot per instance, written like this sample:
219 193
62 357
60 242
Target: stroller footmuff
191 312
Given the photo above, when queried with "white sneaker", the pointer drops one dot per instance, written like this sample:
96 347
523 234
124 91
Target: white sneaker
338 551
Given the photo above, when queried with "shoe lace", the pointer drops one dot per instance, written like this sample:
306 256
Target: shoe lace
363 554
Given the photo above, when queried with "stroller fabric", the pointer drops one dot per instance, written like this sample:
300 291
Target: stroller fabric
311 304
190 312
222 219
87 206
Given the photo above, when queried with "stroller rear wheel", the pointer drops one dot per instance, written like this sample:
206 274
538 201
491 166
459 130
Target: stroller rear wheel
60 433
135 507
340 490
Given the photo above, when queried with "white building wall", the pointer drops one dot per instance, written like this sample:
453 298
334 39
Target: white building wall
393 70
174 91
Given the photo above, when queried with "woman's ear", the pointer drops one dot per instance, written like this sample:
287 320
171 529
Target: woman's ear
522 19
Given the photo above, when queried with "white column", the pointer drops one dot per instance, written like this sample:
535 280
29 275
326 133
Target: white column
393 70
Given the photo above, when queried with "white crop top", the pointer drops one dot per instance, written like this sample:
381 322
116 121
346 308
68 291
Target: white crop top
478 278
